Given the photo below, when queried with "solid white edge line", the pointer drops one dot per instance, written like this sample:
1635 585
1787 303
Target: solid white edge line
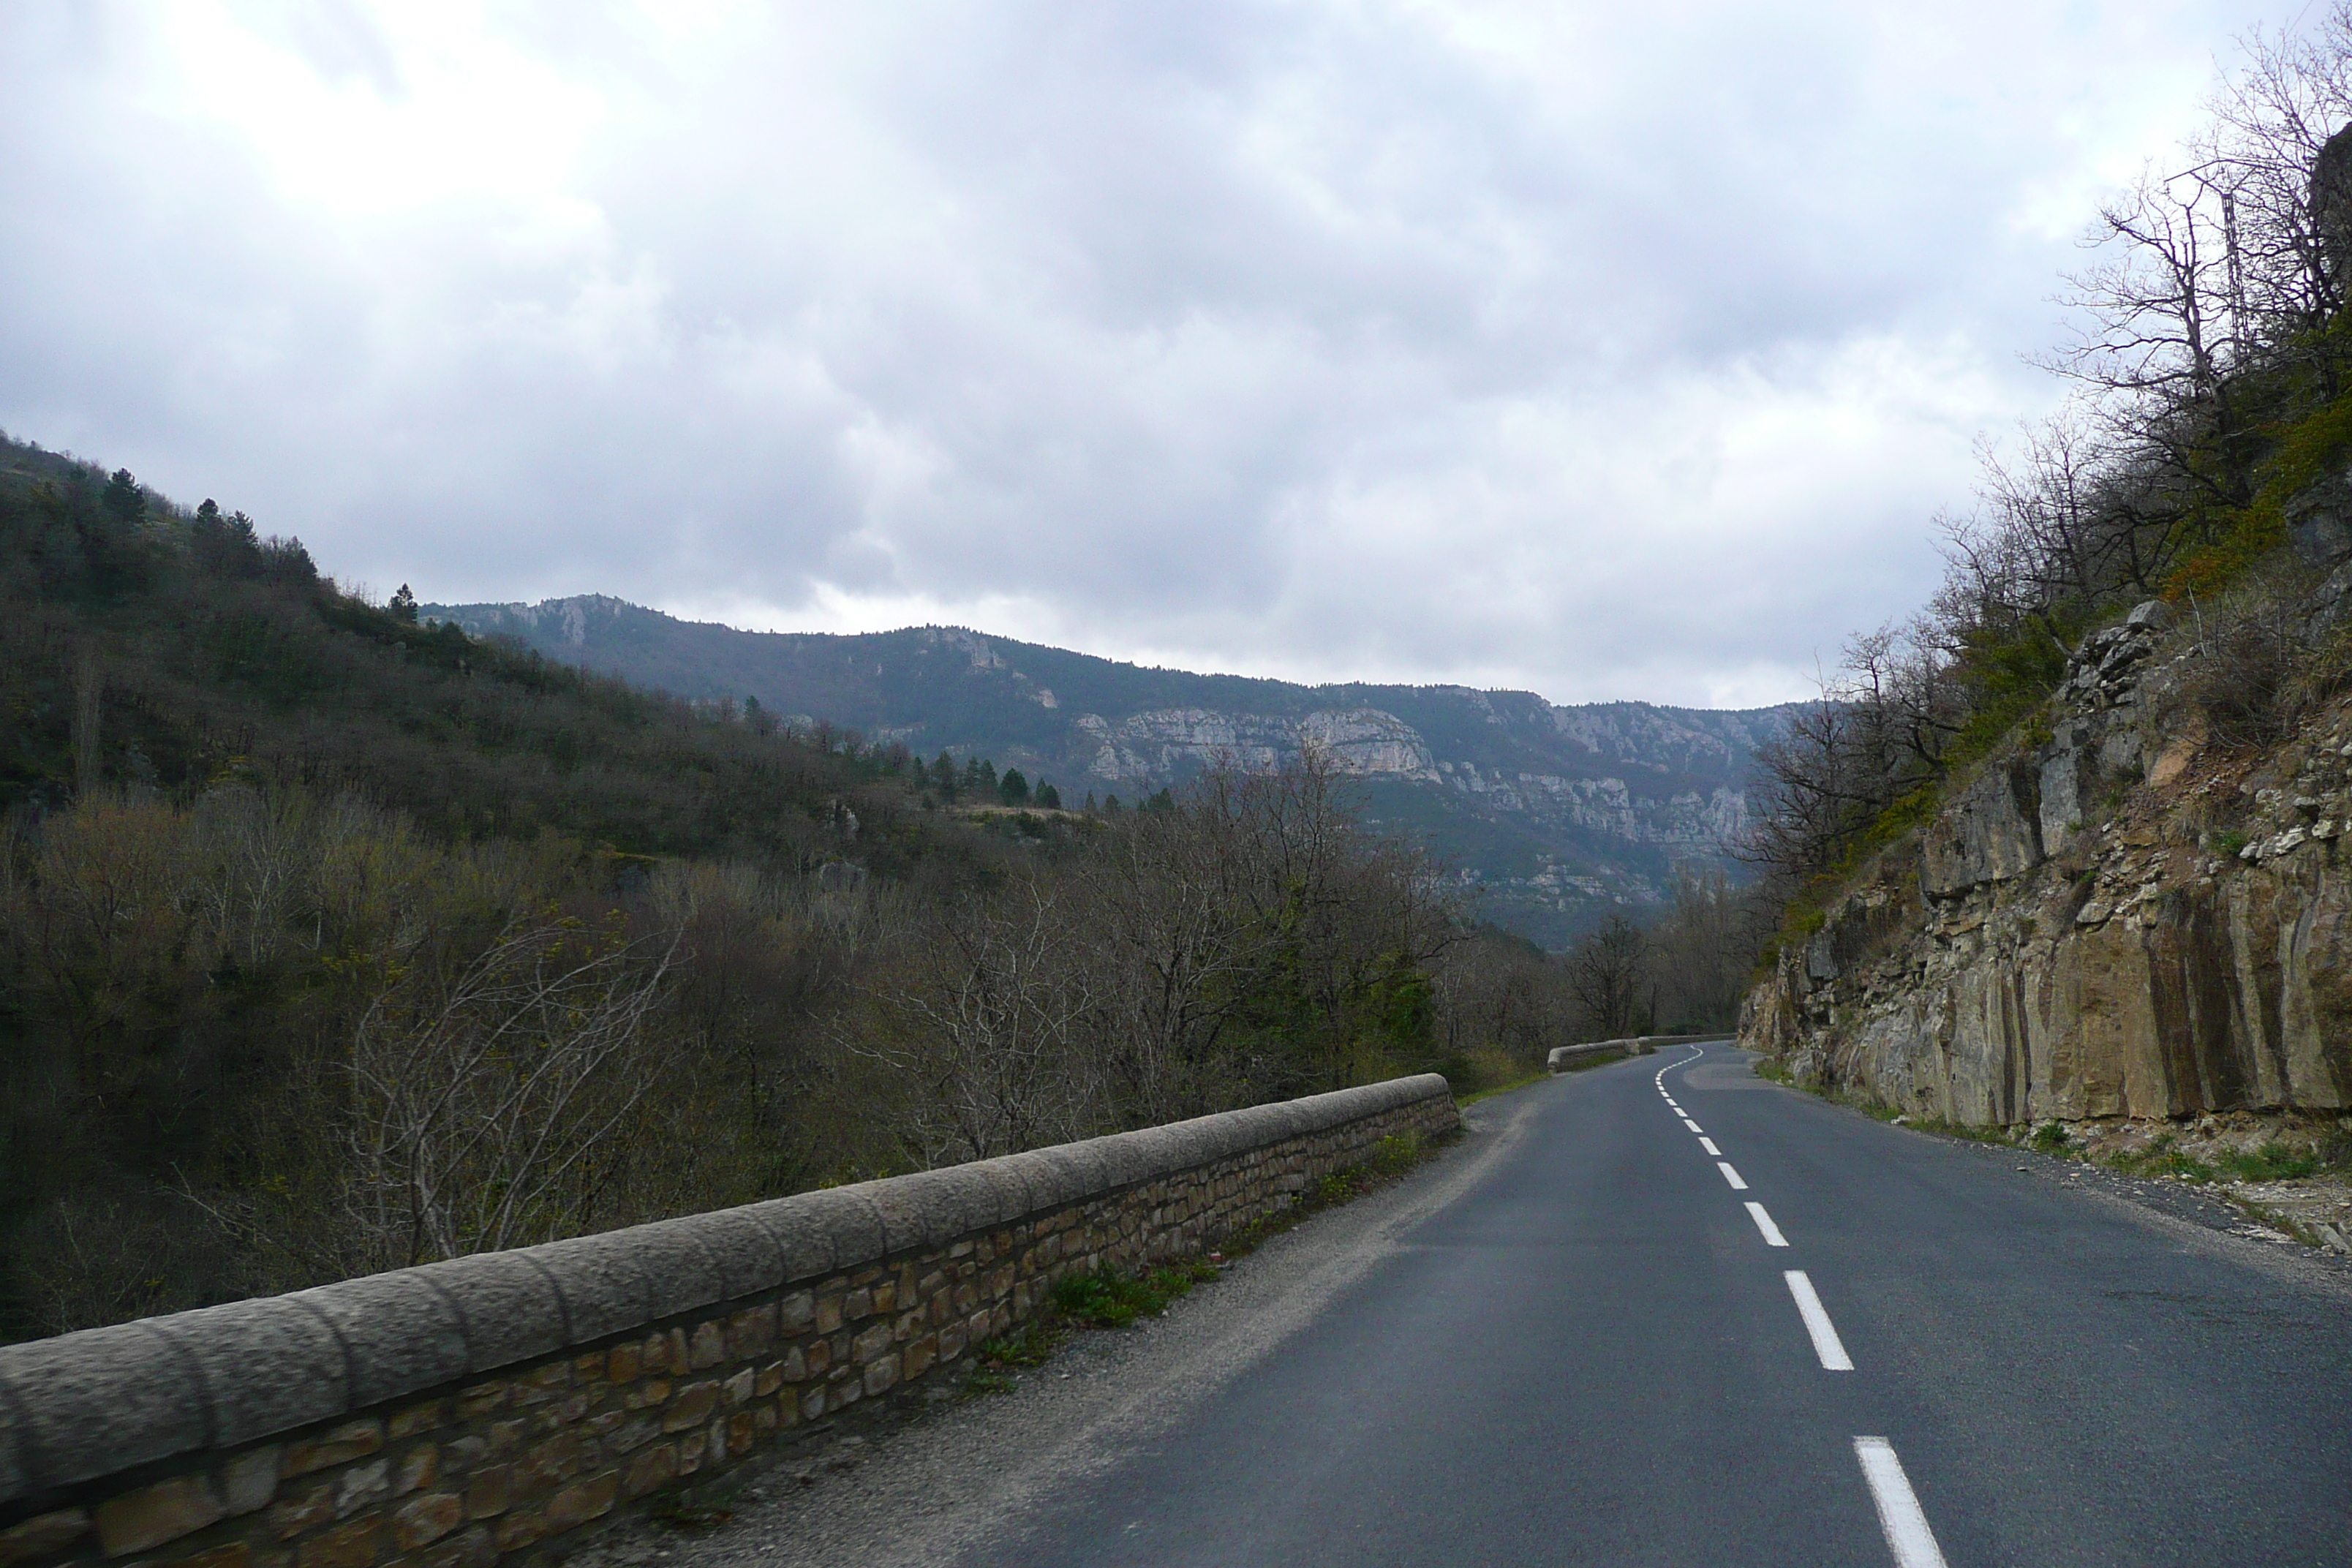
1826 1343
1731 1176
1900 1516
1709 1144
1772 1236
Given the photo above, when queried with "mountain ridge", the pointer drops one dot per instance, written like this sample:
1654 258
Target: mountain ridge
1558 813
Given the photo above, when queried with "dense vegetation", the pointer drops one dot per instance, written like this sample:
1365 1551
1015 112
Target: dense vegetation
332 940
2210 419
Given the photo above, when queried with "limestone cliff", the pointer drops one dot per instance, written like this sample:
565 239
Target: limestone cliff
2125 919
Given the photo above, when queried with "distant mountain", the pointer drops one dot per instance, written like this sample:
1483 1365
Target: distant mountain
1556 812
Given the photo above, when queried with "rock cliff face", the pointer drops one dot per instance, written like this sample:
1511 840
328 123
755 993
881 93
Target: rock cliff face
2123 920
1556 813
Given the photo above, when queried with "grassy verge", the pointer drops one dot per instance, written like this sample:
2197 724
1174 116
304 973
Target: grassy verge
1586 1064
1539 1075
1492 1090
1115 1298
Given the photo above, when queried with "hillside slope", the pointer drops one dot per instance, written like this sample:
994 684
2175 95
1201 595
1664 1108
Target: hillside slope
1556 812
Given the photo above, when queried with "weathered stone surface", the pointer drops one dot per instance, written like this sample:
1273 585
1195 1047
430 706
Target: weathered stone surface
604 1282
352 1440
2064 787
99 1401
352 1545
674 1266
225 1344
401 1333
692 1408
421 1521
249 1481
2319 522
584 1501
138 1520
236 1554
1988 833
508 1304
42 1535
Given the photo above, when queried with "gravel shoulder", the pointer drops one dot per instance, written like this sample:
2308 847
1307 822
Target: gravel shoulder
970 1470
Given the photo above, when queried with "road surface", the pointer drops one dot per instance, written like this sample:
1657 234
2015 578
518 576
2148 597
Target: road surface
1667 1312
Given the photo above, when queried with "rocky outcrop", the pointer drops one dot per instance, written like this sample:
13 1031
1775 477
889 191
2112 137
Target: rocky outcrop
1170 742
2121 921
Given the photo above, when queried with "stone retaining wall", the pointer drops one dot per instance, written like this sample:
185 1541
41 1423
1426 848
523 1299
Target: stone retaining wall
468 1412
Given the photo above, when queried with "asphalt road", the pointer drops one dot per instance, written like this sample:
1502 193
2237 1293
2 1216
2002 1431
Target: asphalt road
1594 1353
1570 1341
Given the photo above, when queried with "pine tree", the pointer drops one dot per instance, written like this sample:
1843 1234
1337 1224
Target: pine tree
1012 789
1049 796
404 606
123 498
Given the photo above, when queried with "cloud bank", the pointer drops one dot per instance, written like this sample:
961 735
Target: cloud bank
1601 351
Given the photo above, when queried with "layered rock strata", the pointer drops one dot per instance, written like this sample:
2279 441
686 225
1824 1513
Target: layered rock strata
2119 919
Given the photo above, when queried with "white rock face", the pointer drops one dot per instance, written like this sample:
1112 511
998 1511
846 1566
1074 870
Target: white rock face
1167 741
1367 741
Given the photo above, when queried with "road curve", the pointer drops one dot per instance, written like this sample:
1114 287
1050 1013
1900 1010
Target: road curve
1678 1315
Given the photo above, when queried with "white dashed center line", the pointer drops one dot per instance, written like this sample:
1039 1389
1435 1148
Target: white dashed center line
1899 1513
1900 1516
1826 1343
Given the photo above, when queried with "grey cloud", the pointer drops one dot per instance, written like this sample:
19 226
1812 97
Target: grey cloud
1329 341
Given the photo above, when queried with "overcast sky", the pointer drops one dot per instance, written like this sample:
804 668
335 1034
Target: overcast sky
1601 349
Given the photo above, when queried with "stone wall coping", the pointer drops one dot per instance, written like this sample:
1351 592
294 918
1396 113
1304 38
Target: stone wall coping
102 1401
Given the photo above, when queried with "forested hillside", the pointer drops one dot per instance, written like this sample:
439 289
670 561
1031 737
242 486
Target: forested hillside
1559 815
332 940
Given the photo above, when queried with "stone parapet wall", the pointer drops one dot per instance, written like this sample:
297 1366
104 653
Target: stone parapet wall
1563 1057
462 1413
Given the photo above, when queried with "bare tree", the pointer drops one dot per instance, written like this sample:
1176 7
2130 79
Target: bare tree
488 1102
1608 974
987 1030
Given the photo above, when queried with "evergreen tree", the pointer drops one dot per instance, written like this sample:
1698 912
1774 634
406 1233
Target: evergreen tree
1090 803
404 606
943 774
1012 789
1110 805
1049 797
123 497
